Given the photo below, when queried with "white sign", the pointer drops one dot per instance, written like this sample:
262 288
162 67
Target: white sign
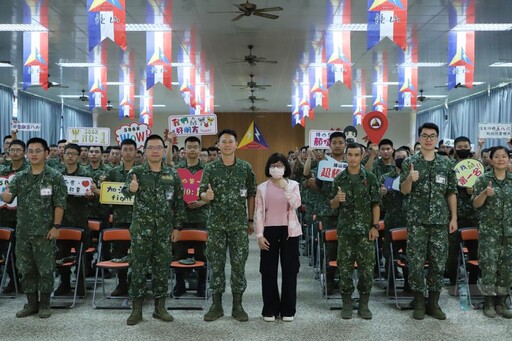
4 180
89 136
449 143
495 130
193 124
15 125
138 132
329 169
319 139
78 185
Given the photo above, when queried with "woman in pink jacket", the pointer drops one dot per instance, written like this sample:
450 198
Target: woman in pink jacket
278 230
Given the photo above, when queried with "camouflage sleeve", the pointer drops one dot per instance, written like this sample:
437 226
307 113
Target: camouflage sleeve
126 188
479 186
374 190
250 182
13 185
406 168
178 203
334 188
205 180
452 182
110 175
60 192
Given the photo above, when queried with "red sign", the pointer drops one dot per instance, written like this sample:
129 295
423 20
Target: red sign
190 183
375 124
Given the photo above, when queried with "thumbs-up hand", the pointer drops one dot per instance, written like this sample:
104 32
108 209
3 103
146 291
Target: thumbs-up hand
209 193
341 196
6 195
489 191
414 175
134 185
312 181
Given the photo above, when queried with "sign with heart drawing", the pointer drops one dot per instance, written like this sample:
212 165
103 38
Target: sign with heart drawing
78 185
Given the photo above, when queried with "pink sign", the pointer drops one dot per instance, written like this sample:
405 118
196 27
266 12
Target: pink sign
190 183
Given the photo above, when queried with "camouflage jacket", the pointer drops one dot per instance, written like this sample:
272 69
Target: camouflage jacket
38 195
96 209
159 200
8 215
198 215
76 210
495 215
122 213
232 185
394 202
379 168
427 201
55 163
362 193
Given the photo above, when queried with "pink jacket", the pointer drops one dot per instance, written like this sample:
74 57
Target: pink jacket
292 194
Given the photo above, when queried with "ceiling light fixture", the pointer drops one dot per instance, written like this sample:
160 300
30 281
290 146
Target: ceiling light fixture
483 27
385 83
501 64
6 65
72 64
348 27
159 105
148 28
118 83
423 64
23 28
347 105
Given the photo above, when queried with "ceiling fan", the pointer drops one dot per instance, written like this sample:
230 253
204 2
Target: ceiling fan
252 59
252 84
252 108
253 98
50 84
423 98
247 9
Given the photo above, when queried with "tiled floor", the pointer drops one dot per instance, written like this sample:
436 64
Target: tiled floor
314 320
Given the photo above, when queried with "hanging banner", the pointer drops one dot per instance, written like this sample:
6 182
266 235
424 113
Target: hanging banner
98 78
35 45
461 45
408 74
146 103
337 44
387 18
319 95
359 98
191 183
86 136
304 106
209 100
253 139
138 132
380 79
297 117
110 194
190 125
127 85
106 19
197 106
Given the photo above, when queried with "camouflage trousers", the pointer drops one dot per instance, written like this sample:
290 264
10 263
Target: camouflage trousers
36 263
427 243
355 248
219 242
495 257
150 247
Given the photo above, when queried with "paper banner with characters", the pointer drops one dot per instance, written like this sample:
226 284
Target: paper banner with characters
495 130
4 180
193 125
190 183
467 171
89 136
138 132
319 139
78 185
330 168
15 125
110 194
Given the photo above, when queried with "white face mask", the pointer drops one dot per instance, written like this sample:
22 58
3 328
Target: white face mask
276 172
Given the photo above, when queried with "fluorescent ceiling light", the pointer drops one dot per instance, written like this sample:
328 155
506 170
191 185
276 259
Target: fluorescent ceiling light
478 83
141 96
346 105
159 105
348 27
69 96
6 65
482 27
423 64
367 96
118 83
148 28
501 64
80 64
23 28
216 105
182 64
385 83
433 96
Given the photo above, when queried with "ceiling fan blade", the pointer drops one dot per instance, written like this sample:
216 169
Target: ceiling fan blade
216 12
269 9
238 17
236 61
265 15
241 8
268 61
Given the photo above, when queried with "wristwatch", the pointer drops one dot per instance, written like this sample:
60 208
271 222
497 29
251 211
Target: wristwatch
376 226
251 220
57 226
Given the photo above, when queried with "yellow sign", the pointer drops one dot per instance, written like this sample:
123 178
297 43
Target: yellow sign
110 194
467 171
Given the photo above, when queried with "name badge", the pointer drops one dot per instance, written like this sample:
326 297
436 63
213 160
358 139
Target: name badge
46 191
243 192
169 195
441 179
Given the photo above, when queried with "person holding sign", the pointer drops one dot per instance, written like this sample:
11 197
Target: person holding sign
229 186
278 230
41 195
492 198
75 216
158 213
429 182
8 214
356 198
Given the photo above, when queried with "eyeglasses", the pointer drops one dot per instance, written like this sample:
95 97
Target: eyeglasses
192 147
35 151
71 154
428 137
15 150
157 148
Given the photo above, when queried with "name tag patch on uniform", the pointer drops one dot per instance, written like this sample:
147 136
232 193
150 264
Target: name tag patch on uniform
46 191
441 179
169 195
243 192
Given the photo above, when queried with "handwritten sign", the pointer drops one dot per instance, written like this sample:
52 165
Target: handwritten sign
4 180
190 183
319 139
15 125
329 169
78 185
110 194
495 130
138 132
449 143
193 125
89 136
467 171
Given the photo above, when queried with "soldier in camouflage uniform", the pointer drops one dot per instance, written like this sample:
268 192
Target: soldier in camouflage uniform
41 194
7 214
75 216
355 194
229 186
158 213
493 199
431 186
122 214
385 163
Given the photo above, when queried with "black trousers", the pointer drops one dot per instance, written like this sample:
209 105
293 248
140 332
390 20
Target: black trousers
287 249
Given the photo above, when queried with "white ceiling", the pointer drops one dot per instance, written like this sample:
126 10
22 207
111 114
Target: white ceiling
282 39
